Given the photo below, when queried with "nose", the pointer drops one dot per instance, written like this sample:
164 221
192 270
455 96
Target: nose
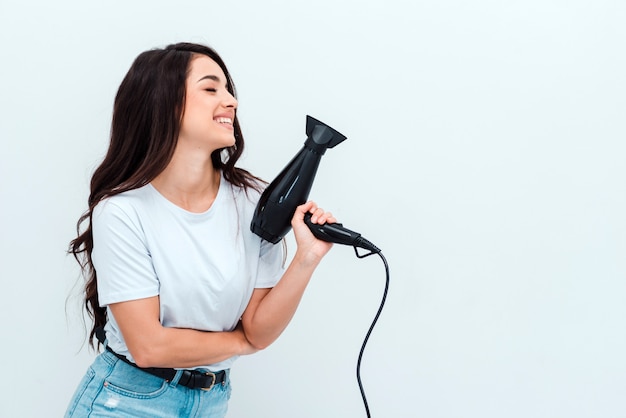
230 101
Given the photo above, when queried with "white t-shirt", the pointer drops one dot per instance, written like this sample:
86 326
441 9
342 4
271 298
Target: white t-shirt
203 266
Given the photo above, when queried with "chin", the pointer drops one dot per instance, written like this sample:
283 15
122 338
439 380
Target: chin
228 144
223 141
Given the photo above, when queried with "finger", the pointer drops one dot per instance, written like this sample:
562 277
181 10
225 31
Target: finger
325 217
302 210
330 218
316 215
306 207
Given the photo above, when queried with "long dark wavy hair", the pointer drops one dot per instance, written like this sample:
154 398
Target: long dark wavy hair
146 120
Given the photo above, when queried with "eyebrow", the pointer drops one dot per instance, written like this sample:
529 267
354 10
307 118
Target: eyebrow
210 77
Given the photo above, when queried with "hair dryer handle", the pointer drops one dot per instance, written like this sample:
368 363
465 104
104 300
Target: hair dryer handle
338 234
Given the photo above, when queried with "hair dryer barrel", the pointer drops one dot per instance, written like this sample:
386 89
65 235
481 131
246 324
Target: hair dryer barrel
273 213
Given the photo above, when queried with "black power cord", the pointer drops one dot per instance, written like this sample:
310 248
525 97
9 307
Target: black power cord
369 332
337 233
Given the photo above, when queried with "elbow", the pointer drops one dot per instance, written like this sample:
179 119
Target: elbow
260 345
144 357
258 336
143 362
258 341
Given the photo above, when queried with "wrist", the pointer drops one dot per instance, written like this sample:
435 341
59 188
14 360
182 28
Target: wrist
306 260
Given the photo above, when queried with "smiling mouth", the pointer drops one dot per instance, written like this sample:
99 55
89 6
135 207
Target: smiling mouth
224 121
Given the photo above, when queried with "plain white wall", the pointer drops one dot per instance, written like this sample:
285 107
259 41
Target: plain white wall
485 156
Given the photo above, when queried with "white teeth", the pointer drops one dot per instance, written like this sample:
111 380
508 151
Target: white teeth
224 120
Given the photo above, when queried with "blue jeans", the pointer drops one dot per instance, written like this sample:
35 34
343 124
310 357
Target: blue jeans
112 388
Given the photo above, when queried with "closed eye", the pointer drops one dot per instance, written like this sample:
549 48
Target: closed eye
211 90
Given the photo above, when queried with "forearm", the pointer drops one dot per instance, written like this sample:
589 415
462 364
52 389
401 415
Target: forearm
270 311
267 318
186 348
153 345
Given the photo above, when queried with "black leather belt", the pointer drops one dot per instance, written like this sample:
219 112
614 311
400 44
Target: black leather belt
193 379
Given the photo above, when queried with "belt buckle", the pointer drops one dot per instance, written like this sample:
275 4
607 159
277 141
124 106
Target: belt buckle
212 383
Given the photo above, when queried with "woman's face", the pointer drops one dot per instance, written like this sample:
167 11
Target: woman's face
209 112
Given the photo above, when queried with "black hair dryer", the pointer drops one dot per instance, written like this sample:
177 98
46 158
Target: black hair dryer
273 213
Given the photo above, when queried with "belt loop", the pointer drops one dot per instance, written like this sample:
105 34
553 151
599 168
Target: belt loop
176 378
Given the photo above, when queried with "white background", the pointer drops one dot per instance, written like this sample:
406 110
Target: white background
485 156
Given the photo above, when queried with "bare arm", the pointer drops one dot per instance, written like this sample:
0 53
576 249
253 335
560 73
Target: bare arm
153 345
270 310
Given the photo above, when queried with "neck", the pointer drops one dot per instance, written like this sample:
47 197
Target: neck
190 182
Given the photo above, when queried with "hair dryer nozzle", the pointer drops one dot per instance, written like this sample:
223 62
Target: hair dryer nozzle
321 136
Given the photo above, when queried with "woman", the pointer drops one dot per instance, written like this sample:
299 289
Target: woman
175 279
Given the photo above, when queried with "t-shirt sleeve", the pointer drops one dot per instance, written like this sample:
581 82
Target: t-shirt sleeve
120 256
271 264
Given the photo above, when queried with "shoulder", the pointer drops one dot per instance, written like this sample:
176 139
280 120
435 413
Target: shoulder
126 205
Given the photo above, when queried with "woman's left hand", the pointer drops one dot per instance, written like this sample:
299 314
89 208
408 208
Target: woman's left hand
310 249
